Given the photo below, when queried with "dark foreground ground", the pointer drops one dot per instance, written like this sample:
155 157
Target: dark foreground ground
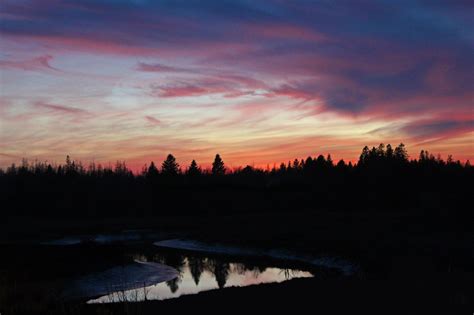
409 263
311 296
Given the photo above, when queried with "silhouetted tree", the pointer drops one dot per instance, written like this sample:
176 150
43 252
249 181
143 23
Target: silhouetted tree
329 161
70 168
308 163
401 153
373 154
424 156
193 169
320 162
381 151
152 170
49 170
282 168
247 170
296 164
341 164
364 156
169 166
121 169
68 165
218 167
389 152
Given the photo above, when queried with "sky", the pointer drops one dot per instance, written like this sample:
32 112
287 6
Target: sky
259 82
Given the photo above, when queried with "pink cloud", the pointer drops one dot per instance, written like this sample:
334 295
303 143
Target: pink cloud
61 109
35 64
153 121
180 91
155 67
290 91
231 86
283 31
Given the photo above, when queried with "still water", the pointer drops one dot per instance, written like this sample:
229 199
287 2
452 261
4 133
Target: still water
198 273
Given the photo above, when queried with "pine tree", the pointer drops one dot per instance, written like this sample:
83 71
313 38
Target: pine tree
169 166
193 169
152 170
381 151
296 164
389 152
329 161
364 156
218 167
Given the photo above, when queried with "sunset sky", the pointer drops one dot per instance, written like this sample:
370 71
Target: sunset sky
260 82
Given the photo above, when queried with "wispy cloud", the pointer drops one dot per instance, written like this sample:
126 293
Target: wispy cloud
61 109
156 67
152 121
35 64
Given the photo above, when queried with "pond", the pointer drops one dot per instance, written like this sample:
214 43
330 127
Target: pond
125 267
197 273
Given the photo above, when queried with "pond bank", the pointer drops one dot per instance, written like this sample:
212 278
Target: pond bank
347 268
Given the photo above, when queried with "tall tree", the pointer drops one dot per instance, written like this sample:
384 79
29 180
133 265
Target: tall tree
401 153
218 167
329 161
194 169
320 162
296 164
308 164
282 168
170 166
389 151
364 156
121 169
381 150
424 156
341 164
152 170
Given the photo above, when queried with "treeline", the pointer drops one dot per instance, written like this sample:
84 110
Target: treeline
383 178
381 156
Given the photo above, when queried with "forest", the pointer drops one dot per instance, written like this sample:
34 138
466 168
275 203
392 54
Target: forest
383 179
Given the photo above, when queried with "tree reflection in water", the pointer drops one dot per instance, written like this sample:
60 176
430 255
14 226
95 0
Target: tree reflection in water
220 271
178 262
219 268
197 273
196 267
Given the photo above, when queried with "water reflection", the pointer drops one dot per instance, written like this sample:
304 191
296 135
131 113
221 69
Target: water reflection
198 274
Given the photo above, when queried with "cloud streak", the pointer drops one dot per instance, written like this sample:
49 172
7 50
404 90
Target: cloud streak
36 64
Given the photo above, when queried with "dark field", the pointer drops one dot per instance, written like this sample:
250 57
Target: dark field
415 266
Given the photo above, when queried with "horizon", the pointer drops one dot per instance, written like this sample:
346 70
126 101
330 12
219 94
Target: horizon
206 167
259 83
